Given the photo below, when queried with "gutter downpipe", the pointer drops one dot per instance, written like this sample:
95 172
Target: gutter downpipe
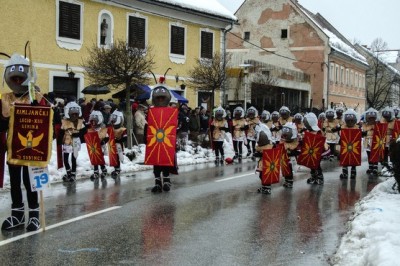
224 62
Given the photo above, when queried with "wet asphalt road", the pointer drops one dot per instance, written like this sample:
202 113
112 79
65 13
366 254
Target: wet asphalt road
212 216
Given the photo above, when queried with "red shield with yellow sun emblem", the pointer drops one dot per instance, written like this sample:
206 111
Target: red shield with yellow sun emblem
396 129
93 145
311 151
271 166
378 143
350 147
161 136
286 171
112 147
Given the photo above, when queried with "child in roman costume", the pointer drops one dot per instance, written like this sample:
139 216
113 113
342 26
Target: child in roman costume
96 125
72 129
298 121
120 135
252 120
239 125
218 127
330 128
350 118
263 138
311 124
275 128
291 147
389 117
370 119
266 119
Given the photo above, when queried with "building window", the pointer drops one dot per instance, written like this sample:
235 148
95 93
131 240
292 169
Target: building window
246 35
341 75
351 78
337 74
356 81
206 46
177 40
69 19
137 32
284 33
347 77
177 43
332 72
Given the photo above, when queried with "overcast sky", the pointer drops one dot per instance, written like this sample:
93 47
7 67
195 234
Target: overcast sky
360 20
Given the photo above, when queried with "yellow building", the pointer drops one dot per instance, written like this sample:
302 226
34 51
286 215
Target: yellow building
61 31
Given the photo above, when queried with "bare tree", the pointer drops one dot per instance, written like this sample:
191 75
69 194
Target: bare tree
209 74
120 66
381 79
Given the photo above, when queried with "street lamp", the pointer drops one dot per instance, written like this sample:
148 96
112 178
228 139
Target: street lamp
246 74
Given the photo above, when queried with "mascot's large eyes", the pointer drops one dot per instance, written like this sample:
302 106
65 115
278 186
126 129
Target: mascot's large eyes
12 68
21 68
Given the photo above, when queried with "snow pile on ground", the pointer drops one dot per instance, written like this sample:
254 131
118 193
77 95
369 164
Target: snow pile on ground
373 236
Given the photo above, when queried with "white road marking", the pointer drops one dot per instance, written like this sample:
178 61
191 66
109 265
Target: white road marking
13 239
233 177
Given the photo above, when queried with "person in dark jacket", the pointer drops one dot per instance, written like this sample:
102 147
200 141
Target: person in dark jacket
183 127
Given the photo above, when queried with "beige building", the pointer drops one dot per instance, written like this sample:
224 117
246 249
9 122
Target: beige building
61 31
303 61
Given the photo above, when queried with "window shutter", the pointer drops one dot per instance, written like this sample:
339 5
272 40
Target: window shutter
70 20
206 45
177 40
137 32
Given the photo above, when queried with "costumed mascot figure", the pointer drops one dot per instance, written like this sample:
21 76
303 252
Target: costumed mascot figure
97 137
370 119
120 136
264 142
276 127
387 116
161 138
218 128
284 114
239 126
350 144
340 122
72 130
331 128
252 120
20 77
290 148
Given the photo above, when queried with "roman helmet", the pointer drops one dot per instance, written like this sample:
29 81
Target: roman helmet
219 113
298 118
284 112
339 112
238 113
265 116
72 111
289 132
330 114
160 96
388 114
117 119
311 122
96 119
264 135
350 117
275 116
251 113
371 116
322 116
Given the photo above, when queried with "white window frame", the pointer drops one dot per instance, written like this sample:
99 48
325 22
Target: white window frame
69 43
177 58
